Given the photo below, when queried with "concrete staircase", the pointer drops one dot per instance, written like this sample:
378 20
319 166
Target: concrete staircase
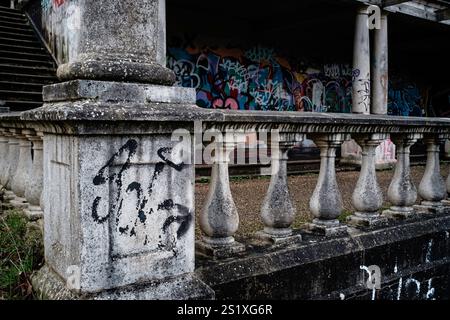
25 64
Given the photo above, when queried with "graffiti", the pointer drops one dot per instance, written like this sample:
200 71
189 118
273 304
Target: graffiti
259 79
142 195
404 99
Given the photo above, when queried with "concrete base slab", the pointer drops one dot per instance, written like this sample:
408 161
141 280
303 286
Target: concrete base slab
336 230
400 214
218 251
48 285
19 203
428 207
33 213
293 237
365 220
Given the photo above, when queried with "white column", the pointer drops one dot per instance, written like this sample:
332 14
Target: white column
13 158
4 148
361 64
380 68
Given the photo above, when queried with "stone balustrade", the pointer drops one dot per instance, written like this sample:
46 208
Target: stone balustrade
132 193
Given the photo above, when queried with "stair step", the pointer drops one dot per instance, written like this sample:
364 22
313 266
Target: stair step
20 42
13 48
25 55
17 25
22 86
16 30
21 95
4 13
32 78
8 9
28 69
18 105
17 35
26 62
21 20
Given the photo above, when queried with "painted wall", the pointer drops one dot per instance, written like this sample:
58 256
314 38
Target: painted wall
259 78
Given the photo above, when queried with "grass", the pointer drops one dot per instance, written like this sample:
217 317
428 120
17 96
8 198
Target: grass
20 254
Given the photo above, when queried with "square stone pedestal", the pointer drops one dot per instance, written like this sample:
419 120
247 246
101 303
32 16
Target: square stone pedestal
430 207
400 213
367 220
219 251
291 237
327 228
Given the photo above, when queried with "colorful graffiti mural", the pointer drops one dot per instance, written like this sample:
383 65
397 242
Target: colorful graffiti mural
258 79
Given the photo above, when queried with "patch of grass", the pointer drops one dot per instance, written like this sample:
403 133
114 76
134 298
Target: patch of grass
20 254
344 215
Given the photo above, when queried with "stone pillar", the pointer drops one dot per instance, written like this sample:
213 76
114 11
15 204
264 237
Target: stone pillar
219 219
361 64
126 51
432 187
4 149
367 196
13 159
326 201
20 179
402 192
278 210
118 196
380 68
33 187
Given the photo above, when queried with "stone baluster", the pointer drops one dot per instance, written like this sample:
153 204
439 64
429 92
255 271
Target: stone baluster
278 210
367 196
4 148
219 219
13 159
432 187
326 201
20 178
402 192
33 187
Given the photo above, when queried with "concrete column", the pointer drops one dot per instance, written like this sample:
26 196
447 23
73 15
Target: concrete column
120 40
361 64
20 178
278 210
367 197
219 219
432 187
402 192
326 201
33 187
4 148
13 160
380 68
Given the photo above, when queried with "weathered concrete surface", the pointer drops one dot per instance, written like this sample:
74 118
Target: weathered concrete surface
412 254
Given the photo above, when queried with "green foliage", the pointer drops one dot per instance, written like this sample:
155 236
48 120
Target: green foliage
344 215
20 253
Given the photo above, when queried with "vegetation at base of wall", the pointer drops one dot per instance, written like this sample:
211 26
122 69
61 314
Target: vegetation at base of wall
343 217
21 253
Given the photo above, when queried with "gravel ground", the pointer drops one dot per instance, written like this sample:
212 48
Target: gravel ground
248 194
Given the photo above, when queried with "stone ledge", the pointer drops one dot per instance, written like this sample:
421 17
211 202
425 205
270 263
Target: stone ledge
262 261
